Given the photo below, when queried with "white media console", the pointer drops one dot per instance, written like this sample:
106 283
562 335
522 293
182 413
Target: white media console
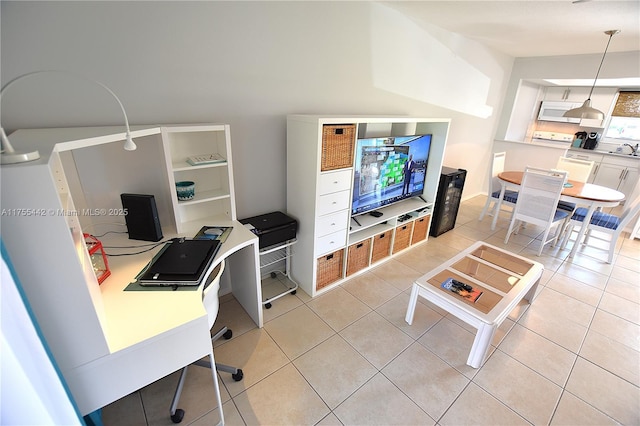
332 246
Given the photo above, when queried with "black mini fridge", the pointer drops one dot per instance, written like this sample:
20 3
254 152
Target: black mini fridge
447 200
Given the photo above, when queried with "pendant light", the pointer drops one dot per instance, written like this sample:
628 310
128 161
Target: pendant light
586 110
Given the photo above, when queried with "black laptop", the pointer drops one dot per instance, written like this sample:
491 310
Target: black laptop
181 262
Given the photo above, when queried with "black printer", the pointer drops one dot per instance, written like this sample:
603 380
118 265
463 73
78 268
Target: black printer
272 228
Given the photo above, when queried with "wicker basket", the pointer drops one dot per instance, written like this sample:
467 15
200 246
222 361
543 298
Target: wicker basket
338 142
329 269
358 256
403 237
381 246
420 229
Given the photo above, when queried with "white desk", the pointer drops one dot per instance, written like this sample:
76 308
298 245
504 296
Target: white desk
108 342
153 333
585 194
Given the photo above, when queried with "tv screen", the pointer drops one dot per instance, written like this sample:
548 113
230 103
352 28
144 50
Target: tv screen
388 170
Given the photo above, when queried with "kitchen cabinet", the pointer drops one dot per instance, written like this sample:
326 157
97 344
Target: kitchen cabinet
602 98
564 93
612 171
619 173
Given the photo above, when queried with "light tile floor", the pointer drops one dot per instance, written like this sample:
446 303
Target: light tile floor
348 357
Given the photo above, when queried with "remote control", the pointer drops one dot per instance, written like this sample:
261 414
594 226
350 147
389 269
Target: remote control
375 214
198 160
461 285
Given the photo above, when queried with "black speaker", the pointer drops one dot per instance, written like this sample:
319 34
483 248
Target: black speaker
142 217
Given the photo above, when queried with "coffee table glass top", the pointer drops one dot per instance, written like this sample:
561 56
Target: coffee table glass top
503 260
493 272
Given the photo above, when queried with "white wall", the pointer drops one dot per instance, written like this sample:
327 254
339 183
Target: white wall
32 391
249 64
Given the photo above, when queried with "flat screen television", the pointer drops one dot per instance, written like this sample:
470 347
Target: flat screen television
388 170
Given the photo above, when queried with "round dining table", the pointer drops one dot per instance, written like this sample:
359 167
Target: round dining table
584 194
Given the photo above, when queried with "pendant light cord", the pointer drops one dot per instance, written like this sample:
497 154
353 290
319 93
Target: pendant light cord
601 62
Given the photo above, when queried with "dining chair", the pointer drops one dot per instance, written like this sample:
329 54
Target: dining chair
510 197
538 203
578 170
211 304
603 223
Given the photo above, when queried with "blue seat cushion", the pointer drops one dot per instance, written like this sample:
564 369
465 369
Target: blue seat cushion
563 205
510 196
560 214
604 220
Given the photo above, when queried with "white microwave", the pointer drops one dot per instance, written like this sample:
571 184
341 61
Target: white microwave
554 111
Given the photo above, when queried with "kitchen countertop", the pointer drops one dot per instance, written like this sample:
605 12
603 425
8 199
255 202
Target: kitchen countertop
605 152
568 147
538 143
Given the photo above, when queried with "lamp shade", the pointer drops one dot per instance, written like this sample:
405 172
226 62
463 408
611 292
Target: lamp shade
585 111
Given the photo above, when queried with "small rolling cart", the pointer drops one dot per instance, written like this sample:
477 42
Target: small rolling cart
272 255
276 234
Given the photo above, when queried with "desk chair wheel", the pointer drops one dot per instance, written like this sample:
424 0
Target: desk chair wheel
178 416
228 334
267 305
238 376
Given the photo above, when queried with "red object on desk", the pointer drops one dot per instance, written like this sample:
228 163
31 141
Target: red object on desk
98 257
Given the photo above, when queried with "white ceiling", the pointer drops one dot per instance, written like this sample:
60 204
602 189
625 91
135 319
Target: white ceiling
525 28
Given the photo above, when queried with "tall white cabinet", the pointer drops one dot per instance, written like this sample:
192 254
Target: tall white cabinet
332 246
106 340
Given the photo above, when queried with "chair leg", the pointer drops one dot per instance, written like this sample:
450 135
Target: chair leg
612 245
176 413
236 373
506 239
544 241
486 207
517 228
557 234
217 388
497 206
567 235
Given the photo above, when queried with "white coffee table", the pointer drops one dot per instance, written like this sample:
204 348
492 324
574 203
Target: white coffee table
504 278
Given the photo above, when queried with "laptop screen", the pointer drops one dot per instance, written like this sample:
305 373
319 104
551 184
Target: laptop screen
184 257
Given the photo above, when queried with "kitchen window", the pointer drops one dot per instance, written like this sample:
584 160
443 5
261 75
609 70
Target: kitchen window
625 118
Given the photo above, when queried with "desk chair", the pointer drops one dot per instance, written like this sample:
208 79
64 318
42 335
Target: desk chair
510 197
604 223
578 170
538 202
211 303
